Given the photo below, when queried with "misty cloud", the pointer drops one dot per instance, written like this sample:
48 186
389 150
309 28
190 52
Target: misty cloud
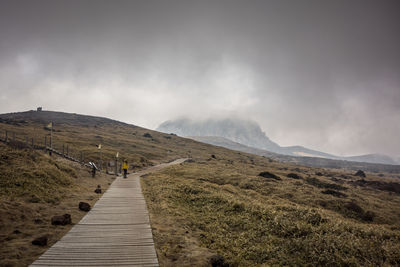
323 74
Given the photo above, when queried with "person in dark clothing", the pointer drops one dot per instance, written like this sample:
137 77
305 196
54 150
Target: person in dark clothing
94 168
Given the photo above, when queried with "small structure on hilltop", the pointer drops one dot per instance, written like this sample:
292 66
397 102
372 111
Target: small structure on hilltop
39 109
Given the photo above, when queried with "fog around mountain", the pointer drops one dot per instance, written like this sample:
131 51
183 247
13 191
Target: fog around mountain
244 132
250 134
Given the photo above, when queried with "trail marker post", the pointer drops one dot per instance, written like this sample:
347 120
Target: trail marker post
116 164
101 162
51 137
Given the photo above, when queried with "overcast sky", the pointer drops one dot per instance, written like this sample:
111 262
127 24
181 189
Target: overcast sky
323 74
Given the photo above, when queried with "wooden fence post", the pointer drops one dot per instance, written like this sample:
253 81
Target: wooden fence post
63 150
32 143
6 136
14 136
45 142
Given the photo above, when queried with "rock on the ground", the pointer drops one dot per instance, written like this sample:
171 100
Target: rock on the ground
360 173
61 220
84 206
98 189
147 135
40 241
218 261
38 221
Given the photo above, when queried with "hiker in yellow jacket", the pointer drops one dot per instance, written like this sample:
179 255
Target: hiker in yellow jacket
125 167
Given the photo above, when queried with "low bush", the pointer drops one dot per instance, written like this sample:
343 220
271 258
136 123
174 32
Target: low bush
294 176
333 193
269 175
320 184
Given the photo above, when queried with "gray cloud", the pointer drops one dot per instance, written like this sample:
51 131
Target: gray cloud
323 74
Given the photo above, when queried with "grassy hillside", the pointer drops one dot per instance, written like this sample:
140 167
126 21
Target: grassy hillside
306 161
35 187
215 204
224 206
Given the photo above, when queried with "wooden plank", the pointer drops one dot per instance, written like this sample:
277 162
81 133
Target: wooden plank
116 232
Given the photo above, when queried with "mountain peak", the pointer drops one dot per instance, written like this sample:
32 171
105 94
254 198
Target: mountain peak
246 132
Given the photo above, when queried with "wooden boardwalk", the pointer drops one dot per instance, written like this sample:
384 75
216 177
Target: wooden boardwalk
116 232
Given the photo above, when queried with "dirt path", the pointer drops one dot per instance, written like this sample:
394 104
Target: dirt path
115 232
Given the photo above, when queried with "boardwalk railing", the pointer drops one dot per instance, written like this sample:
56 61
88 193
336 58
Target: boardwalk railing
25 141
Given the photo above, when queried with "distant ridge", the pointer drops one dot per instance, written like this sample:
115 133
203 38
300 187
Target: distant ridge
249 133
306 161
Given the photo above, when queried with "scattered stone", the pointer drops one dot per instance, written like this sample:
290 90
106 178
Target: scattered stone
38 221
16 231
40 241
147 135
189 161
360 173
218 261
319 174
294 176
98 189
84 206
213 156
61 220
269 175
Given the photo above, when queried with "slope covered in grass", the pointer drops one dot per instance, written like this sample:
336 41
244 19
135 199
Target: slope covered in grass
35 187
31 175
216 204
219 206
82 134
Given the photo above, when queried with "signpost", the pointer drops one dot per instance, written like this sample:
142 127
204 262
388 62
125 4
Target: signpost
51 137
116 164
101 162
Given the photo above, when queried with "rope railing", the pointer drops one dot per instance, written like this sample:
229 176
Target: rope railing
24 141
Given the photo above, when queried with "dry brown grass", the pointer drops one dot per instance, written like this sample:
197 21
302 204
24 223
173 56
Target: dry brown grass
227 209
35 187
209 206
